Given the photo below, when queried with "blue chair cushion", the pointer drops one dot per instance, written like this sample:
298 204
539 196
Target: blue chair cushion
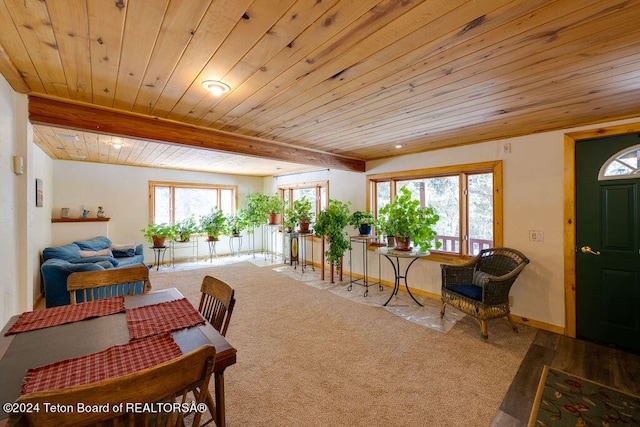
470 291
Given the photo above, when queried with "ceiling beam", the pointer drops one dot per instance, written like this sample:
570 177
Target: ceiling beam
102 120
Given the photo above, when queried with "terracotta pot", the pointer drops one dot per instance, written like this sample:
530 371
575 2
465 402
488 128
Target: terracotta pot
273 218
212 238
158 242
304 227
402 243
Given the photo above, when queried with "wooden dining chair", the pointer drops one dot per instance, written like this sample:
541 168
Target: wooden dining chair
94 285
166 384
216 303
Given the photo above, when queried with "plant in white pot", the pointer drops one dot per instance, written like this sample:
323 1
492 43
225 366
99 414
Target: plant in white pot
409 222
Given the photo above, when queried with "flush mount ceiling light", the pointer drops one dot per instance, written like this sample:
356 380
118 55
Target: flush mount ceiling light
215 87
117 143
399 145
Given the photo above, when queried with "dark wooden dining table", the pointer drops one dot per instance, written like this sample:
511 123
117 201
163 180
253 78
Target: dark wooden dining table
48 345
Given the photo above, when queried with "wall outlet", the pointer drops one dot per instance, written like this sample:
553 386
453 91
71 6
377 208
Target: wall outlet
536 236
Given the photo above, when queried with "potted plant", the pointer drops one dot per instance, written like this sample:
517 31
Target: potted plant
213 223
331 223
288 220
363 221
256 210
410 223
301 213
386 228
237 223
157 234
274 207
186 227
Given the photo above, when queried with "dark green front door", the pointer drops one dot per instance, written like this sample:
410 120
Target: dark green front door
607 239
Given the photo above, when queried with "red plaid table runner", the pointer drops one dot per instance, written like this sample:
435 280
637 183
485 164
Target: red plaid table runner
160 318
66 314
110 363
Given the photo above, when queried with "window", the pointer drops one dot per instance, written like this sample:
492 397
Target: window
316 192
173 202
623 164
466 197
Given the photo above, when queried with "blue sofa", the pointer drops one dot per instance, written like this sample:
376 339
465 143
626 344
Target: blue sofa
84 255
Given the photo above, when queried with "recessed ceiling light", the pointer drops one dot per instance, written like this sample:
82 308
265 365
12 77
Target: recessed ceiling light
67 137
215 87
399 145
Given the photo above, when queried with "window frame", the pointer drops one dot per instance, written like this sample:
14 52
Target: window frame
172 187
318 185
463 170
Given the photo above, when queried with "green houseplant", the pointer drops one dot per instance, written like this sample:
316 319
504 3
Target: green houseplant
301 213
288 220
363 221
237 223
256 209
386 228
409 222
157 234
186 227
274 207
213 223
331 223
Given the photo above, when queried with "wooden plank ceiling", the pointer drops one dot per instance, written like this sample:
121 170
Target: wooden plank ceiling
333 82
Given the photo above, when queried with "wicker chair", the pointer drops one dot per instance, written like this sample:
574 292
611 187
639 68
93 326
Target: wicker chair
480 287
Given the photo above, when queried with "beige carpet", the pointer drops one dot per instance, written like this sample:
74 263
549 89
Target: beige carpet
308 357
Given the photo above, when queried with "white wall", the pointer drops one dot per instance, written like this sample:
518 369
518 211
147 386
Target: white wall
8 203
41 226
123 191
533 200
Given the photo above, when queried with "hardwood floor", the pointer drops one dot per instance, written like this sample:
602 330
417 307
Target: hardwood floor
598 363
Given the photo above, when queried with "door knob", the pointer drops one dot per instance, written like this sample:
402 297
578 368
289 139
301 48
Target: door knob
587 250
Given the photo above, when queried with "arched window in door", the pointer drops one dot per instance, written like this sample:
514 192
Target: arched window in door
623 164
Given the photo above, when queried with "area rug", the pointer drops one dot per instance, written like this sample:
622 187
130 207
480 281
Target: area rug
564 399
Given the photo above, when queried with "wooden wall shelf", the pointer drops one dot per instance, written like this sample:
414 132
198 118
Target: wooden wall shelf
80 219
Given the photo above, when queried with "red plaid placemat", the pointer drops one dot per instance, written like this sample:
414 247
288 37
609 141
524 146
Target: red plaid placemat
160 318
66 314
110 363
